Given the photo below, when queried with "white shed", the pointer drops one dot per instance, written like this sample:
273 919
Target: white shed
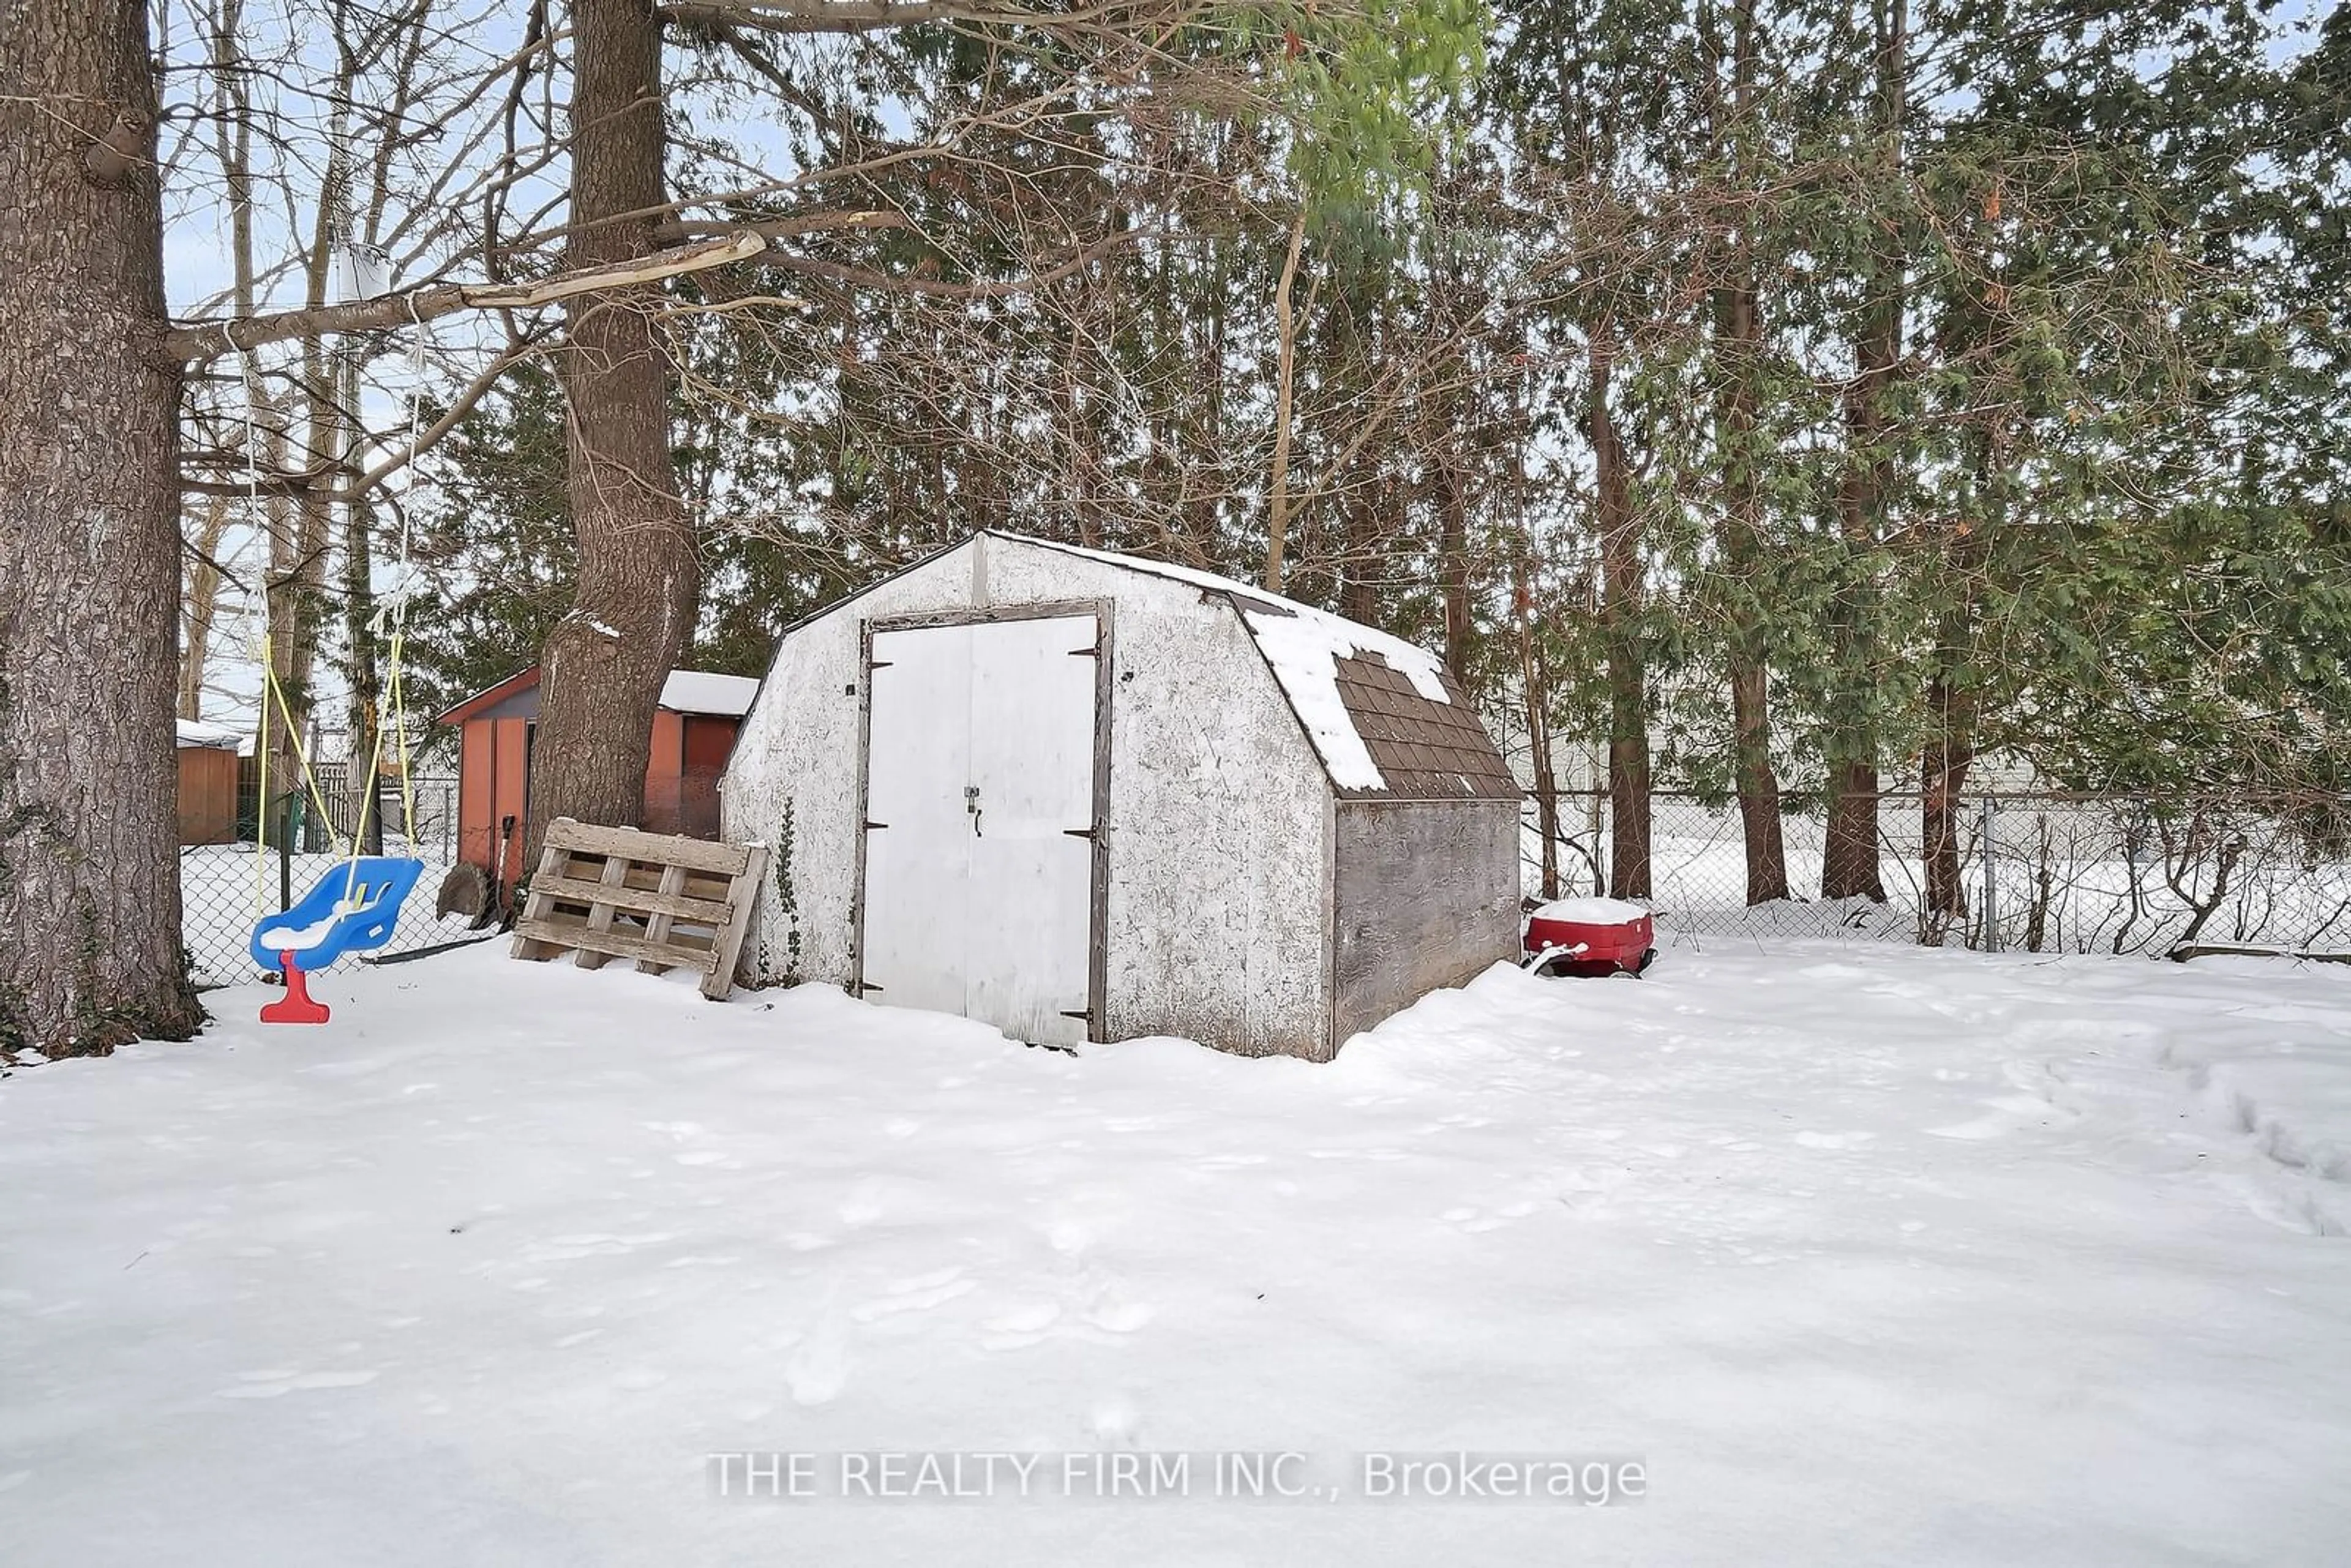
1083 796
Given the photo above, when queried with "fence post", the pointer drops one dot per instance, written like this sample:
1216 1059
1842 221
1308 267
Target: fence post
1986 811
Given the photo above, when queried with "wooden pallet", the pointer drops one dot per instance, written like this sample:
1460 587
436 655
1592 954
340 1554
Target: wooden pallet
667 903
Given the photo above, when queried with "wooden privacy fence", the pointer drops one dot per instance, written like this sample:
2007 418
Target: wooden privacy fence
667 903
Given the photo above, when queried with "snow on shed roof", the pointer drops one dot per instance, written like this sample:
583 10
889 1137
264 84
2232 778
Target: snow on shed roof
1385 716
699 691
216 737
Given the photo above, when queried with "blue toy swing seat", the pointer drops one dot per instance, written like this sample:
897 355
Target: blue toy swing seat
351 909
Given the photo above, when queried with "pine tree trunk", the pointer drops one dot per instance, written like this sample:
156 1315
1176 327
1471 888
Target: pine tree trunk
639 578
1759 788
1533 674
1944 777
89 869
1359 547
1951 692
1620 612
1453 549
1849 866
1739 323
1748 672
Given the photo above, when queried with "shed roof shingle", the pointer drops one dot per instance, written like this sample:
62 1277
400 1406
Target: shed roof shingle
1426 750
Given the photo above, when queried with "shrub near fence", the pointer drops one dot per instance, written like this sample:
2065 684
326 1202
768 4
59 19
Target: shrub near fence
2042 872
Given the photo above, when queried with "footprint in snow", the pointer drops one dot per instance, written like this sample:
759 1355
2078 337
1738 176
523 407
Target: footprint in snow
1114 1315
919 1294
1021 1327
271 1385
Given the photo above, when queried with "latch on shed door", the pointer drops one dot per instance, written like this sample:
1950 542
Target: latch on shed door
971 804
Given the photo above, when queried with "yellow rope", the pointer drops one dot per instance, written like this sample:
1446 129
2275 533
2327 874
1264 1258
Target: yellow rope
301 753
366 810
400 729
396 720
261 796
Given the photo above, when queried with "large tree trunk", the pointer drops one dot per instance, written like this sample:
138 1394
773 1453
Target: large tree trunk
1532 675
1758 787
1362 505
1739 324
1849 866
90 546
1452 500
1944 776
1750 672
1620 613
1953 696
639 578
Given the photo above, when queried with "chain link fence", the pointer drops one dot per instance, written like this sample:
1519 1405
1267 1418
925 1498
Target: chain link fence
2038 872
225 889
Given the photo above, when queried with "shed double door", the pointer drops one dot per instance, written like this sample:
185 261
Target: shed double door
978 891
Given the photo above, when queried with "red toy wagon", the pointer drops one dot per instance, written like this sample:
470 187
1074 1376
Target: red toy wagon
1591 936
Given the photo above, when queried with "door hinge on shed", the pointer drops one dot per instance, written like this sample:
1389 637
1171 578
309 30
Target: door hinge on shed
1093 653
1086 833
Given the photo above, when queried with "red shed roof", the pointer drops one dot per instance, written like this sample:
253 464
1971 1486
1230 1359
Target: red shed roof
685 691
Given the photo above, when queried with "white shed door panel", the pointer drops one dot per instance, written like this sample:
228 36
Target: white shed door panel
982 743
917 838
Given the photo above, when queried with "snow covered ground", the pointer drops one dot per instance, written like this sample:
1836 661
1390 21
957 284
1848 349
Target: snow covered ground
1867 1256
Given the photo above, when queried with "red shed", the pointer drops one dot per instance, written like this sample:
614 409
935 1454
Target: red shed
208 767
692 732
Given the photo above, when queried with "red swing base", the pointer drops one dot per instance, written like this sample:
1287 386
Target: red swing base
295 1006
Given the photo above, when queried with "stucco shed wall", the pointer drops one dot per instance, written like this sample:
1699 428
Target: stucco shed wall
1218 814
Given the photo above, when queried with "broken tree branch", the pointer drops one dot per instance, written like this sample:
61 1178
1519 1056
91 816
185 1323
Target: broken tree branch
211 339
